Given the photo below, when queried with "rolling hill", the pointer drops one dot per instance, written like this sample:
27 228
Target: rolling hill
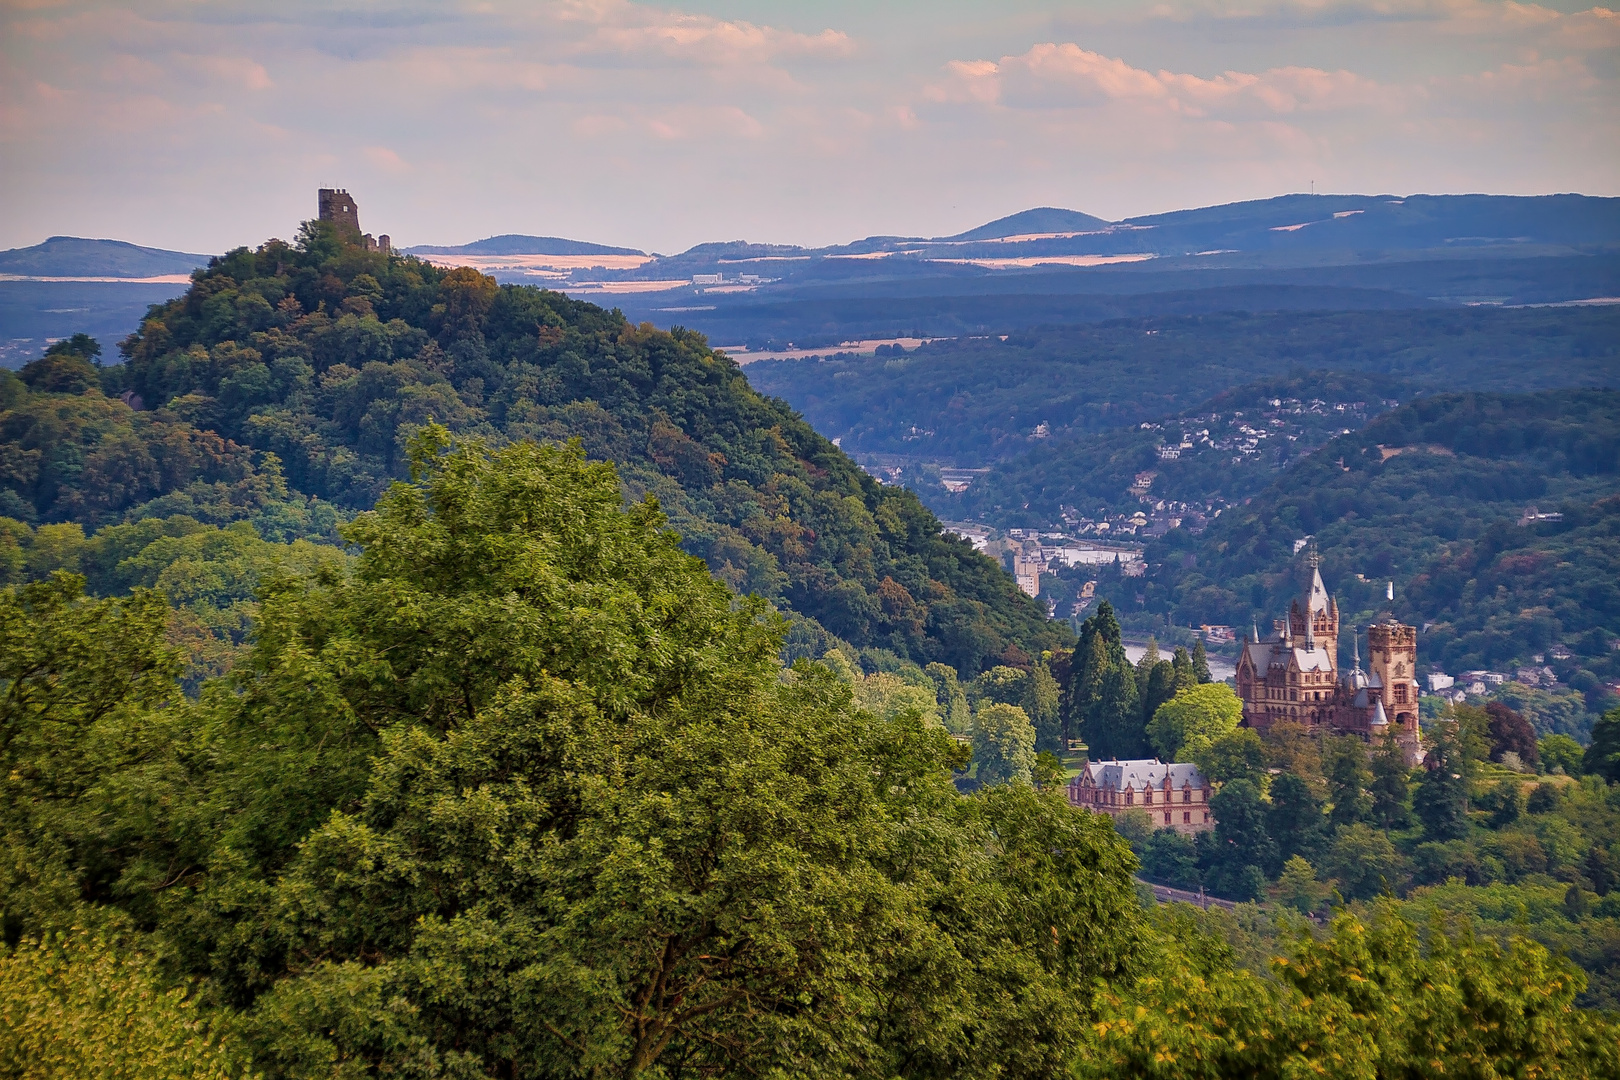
330 357
73 256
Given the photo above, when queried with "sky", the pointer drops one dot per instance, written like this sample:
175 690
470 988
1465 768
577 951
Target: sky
201 126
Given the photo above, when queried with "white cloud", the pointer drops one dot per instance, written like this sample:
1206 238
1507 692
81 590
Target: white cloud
1066 76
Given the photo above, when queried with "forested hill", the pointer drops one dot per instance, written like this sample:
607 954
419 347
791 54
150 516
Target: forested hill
330 357
1433 497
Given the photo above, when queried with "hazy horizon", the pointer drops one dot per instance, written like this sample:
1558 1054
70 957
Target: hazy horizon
200 127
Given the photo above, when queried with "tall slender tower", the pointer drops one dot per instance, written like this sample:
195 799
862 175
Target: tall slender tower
1313 619
1392 667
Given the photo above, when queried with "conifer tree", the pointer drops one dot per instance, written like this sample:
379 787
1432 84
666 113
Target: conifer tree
1184 669
1391 787
1200 663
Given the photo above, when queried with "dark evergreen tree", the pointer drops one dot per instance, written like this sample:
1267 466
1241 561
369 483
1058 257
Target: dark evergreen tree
1441 799
1183 664
1240 842
1391 788
1348 780
1295 819
1603 756
1116 717
1200 662
1157 688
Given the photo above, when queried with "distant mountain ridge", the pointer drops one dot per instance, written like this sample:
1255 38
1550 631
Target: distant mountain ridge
519 244
75 256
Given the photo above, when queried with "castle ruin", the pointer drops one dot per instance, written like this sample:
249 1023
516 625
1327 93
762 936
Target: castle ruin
338 206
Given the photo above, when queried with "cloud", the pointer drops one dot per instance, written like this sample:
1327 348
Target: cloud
385 159
635 31
238 70
1066 76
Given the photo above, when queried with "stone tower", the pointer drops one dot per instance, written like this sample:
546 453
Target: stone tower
336 206
1392 668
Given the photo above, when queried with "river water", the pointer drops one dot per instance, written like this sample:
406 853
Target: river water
1219 668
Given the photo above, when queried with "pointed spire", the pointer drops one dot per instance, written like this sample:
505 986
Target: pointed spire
1378 717
1355 648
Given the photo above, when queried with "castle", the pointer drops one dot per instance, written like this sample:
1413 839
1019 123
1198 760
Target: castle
1294 675
338 207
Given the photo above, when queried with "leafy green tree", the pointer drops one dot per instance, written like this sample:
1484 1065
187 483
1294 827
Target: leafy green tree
1240 755
74 1004
1157 685
1364 862
1345 768
598 830
1298 888
1003 745
1101 696
1505 802
1116 718
1369 1000
1194 719
1560 752
81 685
1041 702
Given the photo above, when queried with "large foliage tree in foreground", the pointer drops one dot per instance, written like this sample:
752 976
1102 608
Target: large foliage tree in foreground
528 793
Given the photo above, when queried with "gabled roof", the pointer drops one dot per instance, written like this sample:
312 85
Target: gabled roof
1139 773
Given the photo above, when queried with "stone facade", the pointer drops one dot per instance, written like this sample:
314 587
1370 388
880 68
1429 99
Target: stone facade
1294 675
338 206
1174 796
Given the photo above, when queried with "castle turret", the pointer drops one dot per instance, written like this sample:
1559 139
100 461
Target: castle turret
1313 619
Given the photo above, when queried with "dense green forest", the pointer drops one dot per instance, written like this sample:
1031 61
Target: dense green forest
523 791
971 401
283 387
1432 497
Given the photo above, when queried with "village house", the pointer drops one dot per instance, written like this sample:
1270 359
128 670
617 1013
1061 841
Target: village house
1174 796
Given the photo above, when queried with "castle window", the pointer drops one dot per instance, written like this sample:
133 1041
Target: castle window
1167 817
1186 796
1186 818
1400 694
1147 797
1206 816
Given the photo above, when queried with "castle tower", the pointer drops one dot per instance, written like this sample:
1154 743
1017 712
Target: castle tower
1313 619
336 206
1392 667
